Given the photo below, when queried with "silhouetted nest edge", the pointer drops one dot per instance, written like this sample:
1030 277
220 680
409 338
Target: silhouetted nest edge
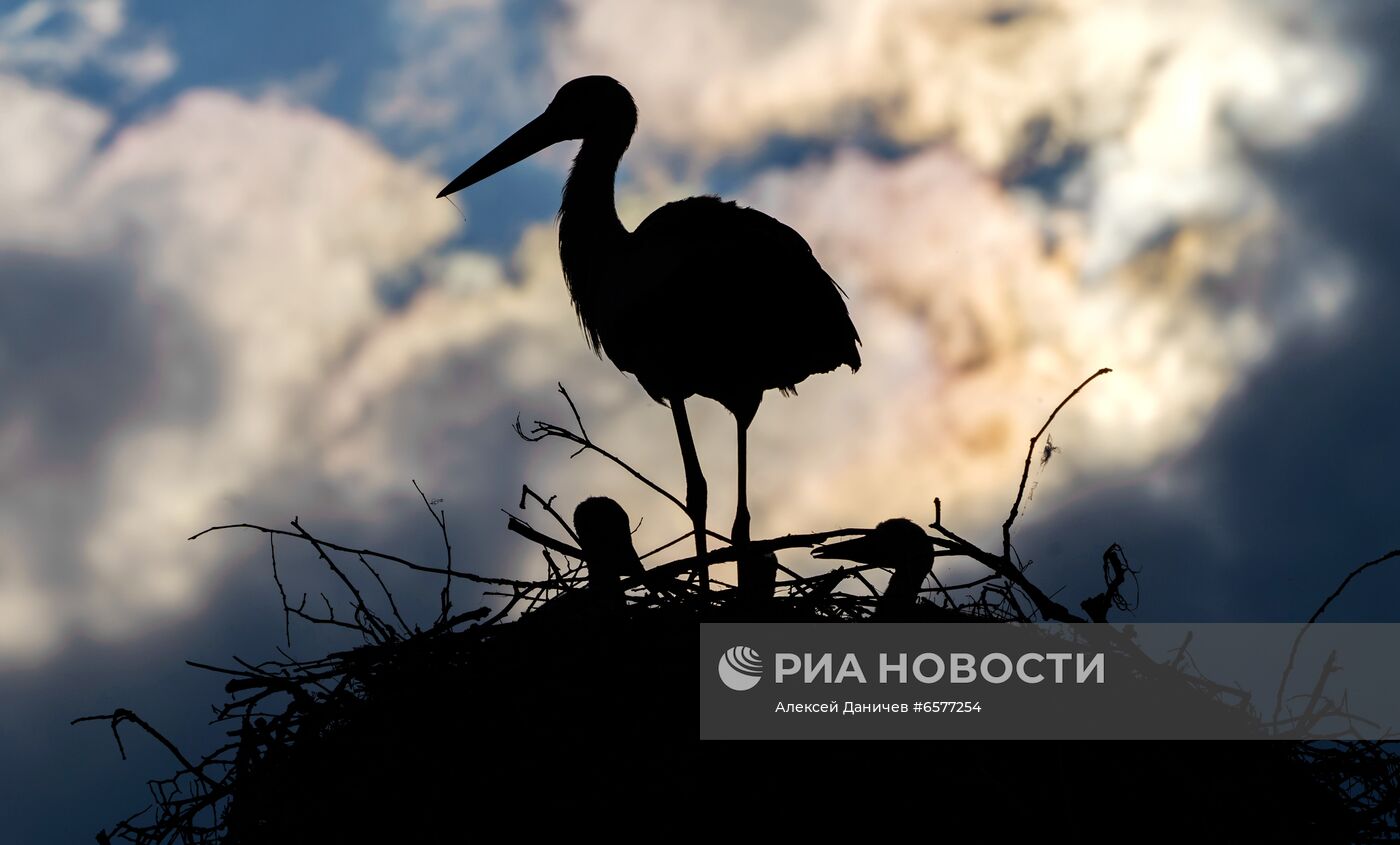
578 707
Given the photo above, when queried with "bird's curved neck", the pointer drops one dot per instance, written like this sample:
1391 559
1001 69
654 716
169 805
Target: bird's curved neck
588 193
589 230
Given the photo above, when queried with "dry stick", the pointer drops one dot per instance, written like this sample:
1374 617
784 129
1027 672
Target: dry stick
300 613
1030 455
1310 715
543 430
393 606
286 609
555 573
869 586
578 418
416 567
121 714
521 527
1048 607
865 567
441 520
548 505
1297 641
467 616
683 565
664 546
729 553
377 628
524 529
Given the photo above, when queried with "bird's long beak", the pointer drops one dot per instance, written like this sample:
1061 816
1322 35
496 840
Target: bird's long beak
859 550
528 140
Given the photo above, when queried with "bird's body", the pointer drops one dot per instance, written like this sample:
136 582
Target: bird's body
704 298
708 298
604 534
605 537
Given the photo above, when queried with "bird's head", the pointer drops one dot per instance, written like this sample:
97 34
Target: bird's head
600 521
590 107
893 542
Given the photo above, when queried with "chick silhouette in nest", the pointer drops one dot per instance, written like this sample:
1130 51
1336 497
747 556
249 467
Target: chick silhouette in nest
896 544
605 537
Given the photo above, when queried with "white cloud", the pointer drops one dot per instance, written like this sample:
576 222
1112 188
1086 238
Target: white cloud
1166 99
1163 254
46 140
464 70
255 233
721 73
994 326
55 39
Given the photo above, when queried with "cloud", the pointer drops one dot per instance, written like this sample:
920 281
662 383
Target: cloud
1075 189
981 302
46 142
978 324
1164 102
966 350
224 258
719 74
54 40
464 70
1033 227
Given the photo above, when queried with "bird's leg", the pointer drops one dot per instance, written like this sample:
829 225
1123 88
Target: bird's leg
696 493
757 573
741 514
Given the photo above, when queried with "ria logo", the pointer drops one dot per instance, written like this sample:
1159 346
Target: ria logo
740 668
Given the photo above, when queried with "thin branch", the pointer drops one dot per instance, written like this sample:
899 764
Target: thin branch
521 527
416 567
1298 640
121 714
1030 456
393 606
440 517
548 506
543 430
286 609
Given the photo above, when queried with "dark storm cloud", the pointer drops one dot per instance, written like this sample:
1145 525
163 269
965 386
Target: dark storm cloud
1294 483
64 782
94 787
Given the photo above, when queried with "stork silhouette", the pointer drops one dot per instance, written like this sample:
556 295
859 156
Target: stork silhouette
705 298
605 537
898 544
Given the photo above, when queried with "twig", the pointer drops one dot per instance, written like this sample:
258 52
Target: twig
521 527
393 606
1030 456
376 628
1297 641
548 505
121 714
286 610
441 519
544 430
416 567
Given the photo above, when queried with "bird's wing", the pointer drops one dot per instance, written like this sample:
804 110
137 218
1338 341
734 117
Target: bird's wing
738 289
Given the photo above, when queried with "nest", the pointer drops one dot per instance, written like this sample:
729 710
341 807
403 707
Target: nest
562 704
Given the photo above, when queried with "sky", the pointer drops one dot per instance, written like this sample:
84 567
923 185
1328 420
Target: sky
228 294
